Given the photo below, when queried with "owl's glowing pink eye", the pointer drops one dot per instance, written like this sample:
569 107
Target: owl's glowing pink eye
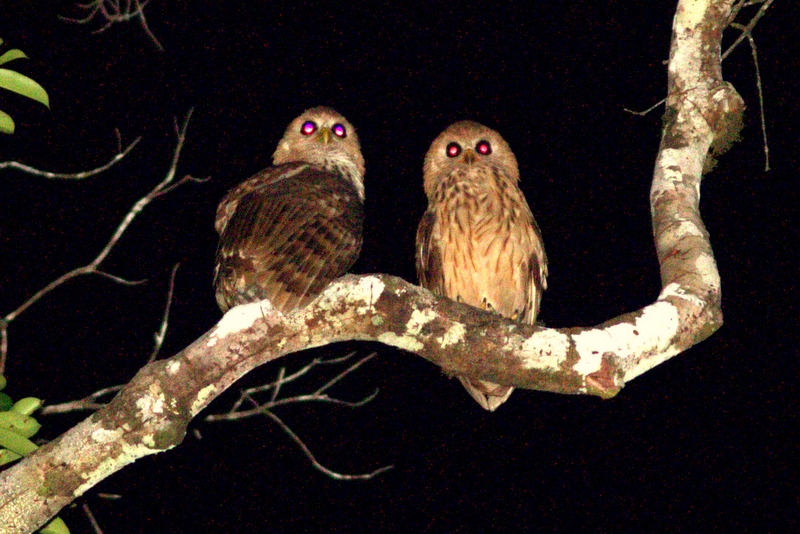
453 150
483 147
339 130
308 128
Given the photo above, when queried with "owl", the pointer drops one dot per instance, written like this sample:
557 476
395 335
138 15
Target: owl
478 242
291 229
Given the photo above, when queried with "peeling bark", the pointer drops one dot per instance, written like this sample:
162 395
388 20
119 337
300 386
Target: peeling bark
151 413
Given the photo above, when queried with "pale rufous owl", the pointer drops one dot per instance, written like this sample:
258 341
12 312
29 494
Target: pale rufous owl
478 242
291 229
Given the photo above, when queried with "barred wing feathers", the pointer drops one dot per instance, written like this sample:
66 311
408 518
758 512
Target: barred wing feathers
285 234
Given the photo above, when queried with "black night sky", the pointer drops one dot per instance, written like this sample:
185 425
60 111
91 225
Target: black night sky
699 444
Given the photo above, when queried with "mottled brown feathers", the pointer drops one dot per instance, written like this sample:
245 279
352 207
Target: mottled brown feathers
290 230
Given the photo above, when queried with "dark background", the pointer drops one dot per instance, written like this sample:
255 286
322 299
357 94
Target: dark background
700 443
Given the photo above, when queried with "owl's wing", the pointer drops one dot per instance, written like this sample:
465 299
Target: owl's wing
537 276
429 259
285 235
270 175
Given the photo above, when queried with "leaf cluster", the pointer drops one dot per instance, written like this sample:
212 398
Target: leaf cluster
18 83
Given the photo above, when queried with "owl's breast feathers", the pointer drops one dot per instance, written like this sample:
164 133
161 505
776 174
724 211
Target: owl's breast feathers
285 234
479 243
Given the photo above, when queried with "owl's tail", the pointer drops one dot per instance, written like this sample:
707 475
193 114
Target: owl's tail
487 394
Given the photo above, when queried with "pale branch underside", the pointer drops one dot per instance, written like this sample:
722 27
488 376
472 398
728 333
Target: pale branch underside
151 413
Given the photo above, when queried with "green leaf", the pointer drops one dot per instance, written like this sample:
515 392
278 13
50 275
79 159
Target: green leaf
27 405
7 456
11 55
56 526
5 402
6 123
16 443
21 84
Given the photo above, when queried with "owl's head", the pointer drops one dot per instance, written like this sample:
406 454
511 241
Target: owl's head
464 145
323 137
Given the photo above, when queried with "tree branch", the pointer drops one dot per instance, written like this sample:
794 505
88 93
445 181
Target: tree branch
151 413
121 153
113 12
320 395
93 267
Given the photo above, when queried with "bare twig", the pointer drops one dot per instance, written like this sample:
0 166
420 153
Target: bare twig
180 182
319 395
112 12
744 35
162 332
333 474
646 111
282 379
87 403
70 176
119 279
750 25
94 266
92 520
92 401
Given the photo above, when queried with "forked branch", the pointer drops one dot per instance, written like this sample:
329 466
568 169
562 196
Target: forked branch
115 11
93 267
266 408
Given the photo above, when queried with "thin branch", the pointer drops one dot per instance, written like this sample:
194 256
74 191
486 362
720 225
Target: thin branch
282 379
745 34
747 29
648 110
346 372
140 204
119 279
94 266
235 413
312 397
87 403
162 332
92 520
754 52
70 176
317 396
113 13
92 401
275 392
186 179
146 28
333 474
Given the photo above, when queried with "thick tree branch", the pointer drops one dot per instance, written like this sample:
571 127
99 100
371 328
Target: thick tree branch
151 413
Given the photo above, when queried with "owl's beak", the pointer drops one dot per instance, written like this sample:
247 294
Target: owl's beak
469 156
324 136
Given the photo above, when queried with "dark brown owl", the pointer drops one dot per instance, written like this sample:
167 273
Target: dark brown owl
478 243
291 229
